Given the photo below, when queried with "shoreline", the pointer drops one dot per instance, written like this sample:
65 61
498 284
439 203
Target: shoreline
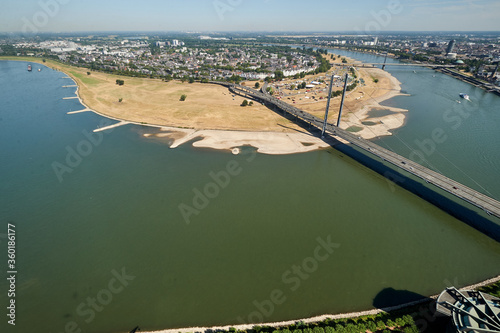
319 318
288 141
383 124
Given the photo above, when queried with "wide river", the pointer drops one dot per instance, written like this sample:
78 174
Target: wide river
102 244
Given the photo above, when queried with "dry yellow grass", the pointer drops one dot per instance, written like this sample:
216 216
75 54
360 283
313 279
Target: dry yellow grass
154 102
208 106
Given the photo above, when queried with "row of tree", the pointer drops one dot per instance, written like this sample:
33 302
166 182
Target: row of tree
382 323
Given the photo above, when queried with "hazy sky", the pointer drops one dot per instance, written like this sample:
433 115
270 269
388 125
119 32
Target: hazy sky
249 15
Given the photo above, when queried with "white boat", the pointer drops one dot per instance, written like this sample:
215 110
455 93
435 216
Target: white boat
465 96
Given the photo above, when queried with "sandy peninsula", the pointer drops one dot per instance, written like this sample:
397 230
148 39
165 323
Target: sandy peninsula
212 113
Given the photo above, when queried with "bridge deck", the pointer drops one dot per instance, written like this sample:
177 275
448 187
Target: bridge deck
482 201
393 64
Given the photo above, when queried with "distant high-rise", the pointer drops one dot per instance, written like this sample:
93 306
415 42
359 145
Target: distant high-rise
451 46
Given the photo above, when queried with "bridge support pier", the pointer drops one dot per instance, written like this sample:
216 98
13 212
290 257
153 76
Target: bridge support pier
343 98
327 106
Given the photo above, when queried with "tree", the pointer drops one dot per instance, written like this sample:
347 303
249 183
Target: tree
375 80
183 98
191 80
411 329
371 326
120 82
390 323
278 75
408 320
257 85
120 100
318 330
88 73
339 328
245 103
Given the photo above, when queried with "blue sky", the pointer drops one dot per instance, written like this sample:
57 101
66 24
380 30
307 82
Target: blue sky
249 15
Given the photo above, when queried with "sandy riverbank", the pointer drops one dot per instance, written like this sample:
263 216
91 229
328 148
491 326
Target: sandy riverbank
214 114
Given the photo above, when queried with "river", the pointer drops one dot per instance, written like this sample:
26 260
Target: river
103 245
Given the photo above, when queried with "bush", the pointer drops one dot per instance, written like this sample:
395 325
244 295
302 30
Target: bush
183 98
120 100
257 85
120 82
251 103
245 103
88 73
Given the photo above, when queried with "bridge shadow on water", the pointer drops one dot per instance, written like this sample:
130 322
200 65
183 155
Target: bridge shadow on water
398 303
471 215
474 217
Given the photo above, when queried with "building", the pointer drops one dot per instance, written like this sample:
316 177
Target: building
451 46
471 311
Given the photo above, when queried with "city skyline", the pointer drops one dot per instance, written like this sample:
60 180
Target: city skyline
368 17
